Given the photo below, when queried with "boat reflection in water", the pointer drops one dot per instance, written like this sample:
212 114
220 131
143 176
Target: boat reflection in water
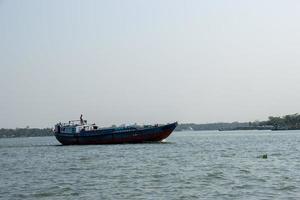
79 132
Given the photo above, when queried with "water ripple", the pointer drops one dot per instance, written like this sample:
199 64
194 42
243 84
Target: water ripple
188 165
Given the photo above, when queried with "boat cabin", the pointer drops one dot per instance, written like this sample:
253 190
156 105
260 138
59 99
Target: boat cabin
74 127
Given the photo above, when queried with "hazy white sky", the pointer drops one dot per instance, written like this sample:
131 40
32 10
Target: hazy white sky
148 61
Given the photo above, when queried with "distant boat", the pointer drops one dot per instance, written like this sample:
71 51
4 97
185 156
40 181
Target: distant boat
77 132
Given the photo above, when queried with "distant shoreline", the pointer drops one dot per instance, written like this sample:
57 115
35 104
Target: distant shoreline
234 126
287 122
25 132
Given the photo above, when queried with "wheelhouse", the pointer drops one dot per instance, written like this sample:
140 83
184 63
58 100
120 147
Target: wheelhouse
74 126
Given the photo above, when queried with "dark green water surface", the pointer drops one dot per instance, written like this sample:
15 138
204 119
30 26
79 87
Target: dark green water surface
189 165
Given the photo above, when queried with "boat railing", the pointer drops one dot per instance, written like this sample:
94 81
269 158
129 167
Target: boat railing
74 123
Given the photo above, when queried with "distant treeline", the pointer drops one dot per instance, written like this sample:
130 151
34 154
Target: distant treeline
287 122
211 126
25 132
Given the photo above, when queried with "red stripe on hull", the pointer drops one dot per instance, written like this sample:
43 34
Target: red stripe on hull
141 138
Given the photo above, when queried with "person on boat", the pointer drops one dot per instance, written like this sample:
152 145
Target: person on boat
81 120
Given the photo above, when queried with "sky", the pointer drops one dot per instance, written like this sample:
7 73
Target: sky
137 61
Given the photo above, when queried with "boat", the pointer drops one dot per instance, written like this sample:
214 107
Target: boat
79 132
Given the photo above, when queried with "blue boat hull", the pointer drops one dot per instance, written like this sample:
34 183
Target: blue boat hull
117 136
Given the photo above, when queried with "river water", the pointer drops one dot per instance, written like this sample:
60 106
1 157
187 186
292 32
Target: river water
188 165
